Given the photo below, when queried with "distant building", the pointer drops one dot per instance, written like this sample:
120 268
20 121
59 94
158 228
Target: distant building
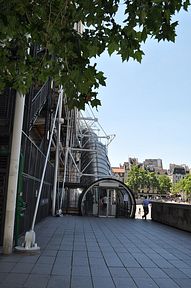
153 165
177 172
172 166
133 161
119 172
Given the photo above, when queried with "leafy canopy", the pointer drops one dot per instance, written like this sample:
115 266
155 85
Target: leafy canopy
140 179
184 185
66 54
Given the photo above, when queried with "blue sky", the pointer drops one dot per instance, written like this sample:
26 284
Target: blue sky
148 105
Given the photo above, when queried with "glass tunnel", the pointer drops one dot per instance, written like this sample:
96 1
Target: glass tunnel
107 197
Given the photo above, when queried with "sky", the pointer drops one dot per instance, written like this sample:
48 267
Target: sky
148 105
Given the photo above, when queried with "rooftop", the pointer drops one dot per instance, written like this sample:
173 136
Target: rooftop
118 169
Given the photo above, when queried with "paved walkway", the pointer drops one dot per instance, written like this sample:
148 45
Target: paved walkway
80 252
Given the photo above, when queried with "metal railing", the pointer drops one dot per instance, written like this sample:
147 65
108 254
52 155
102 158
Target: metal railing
38 102
34 161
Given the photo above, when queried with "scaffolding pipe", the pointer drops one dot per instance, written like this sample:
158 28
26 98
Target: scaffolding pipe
57 153
66 157
45 164
13 174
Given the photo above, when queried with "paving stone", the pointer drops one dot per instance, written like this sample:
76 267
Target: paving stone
46 260
156 273
122 282
64 253
11 258
67 247
186 271
175 273
119 272
59 282
42 269
105 282
83 261
49 252
120 249
6 266
137 272
183 283
166 283
66 261
101 270
112 260
59 269
14 280
145 283
93 249
3 276
29 259
22 268
36 281
110 252
94 254
81 271
96 261
128 260
82 254
144 260
81 282
179 263
161 262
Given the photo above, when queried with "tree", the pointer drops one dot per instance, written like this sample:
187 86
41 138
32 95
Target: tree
137 178
134 179
65 54
183 186
153 183
187 186
140 179
164 184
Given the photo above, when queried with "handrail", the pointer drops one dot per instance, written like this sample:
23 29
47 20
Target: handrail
36 146
38 102
41 89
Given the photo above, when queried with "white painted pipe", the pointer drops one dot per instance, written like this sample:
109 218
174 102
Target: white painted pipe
57 154
13 174
44 170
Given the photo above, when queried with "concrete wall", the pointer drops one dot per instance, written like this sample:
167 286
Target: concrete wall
172 214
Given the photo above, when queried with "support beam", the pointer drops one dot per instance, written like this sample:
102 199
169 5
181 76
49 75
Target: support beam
57 154
13 174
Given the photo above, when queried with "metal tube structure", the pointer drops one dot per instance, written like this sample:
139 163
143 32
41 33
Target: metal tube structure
57 154
45 164
68 131
13 174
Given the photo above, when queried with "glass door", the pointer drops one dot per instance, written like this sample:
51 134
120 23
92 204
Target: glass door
107 203
111 203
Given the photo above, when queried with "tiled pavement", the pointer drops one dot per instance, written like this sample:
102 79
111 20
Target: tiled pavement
80 252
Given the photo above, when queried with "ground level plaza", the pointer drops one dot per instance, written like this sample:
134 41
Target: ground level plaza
90 252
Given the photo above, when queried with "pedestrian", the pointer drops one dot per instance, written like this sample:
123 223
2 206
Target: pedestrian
145 207
104 201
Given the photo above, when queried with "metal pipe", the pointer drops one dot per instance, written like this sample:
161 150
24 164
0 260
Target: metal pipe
13 174
57 153
45 164
66 156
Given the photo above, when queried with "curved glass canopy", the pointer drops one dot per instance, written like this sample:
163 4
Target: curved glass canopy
107 197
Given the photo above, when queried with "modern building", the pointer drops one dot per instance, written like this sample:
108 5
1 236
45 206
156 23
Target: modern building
60 164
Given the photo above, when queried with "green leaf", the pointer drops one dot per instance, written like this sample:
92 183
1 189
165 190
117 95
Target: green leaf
139 55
